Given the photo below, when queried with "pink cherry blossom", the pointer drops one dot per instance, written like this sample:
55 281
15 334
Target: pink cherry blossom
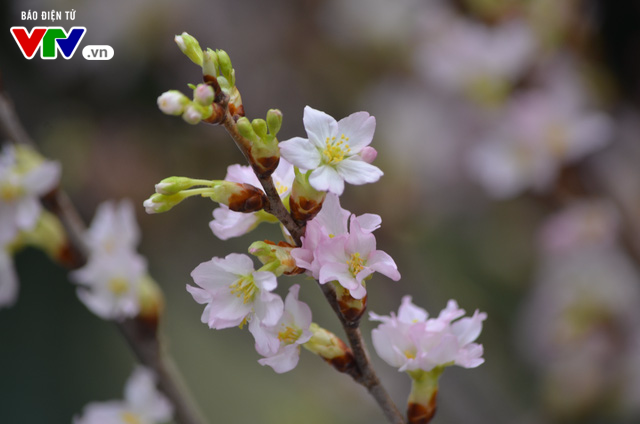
411 341
234 293
333 150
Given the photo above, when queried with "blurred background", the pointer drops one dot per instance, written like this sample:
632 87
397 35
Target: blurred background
508 133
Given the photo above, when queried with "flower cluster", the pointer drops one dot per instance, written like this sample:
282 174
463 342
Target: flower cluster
142 404
115 278
24 178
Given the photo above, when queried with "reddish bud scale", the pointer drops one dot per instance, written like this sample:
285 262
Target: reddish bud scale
352 309
263 167
217 116
303 209
345 363
247 199
295 270
422 414
69 257
236 111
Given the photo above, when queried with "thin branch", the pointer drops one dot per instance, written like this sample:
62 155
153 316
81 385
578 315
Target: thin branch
142 336
366 375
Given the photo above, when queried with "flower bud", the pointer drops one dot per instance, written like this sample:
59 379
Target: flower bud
330 348
260 128
305 201
151 302
48 235
174 185
226 69
268 252
239 197
368 154
246 130
274 121
203 94
159 203
191 115
210 65
190 47
172 102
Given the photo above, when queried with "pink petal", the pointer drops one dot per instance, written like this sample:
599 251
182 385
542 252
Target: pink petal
300 152
326 178
357 172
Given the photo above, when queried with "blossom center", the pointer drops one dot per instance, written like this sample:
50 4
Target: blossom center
9 192
281 188
409 354
356 264
289 335
335 151
244 288
130 418
118 286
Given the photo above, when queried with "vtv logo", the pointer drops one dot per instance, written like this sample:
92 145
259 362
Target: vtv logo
51 39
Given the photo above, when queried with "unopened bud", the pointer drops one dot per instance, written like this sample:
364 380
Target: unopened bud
210 65
191 115
368 154
239 197
48 235
246 130
330 348
159 203
203 94
226 69
274 121
190 47
268 252
260 127
151 302
174 185
172 102
305 201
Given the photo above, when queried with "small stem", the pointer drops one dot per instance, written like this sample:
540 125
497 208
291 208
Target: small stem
143 340
366 375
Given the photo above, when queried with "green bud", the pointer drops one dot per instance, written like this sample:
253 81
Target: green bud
274 121
159 203
330 348
226 69
190 47
174 185
151 301
260 128
238 197
423 397
210 63
48 235
246 130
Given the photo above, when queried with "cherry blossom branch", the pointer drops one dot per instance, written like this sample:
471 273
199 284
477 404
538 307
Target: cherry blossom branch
141 335
365 374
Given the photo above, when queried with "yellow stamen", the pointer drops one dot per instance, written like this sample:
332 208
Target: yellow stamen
289 335
244 288
9 192
281 188
409 354
335 152
130 418
356 264
118 286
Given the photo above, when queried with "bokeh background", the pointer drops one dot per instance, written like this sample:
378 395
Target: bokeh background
508 134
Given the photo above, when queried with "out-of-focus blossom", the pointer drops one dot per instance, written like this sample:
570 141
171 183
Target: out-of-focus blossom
467 57
227 223
351 258
411 341
332 221
584 224
24 177
541 131
280 343
235 293
142 404
110 281
332 150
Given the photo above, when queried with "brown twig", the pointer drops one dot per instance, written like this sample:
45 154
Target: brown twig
365 374
143 338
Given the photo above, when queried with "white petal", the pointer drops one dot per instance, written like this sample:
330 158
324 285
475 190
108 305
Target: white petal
242 174
269 308
300 152
43 178
319 127
359 127
383 263
326 178
357 172
28 212
410 313
284 361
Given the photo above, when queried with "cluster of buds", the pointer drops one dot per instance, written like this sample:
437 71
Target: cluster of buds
264 153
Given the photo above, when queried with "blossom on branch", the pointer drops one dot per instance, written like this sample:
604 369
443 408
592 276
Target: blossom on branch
334 150
235 293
